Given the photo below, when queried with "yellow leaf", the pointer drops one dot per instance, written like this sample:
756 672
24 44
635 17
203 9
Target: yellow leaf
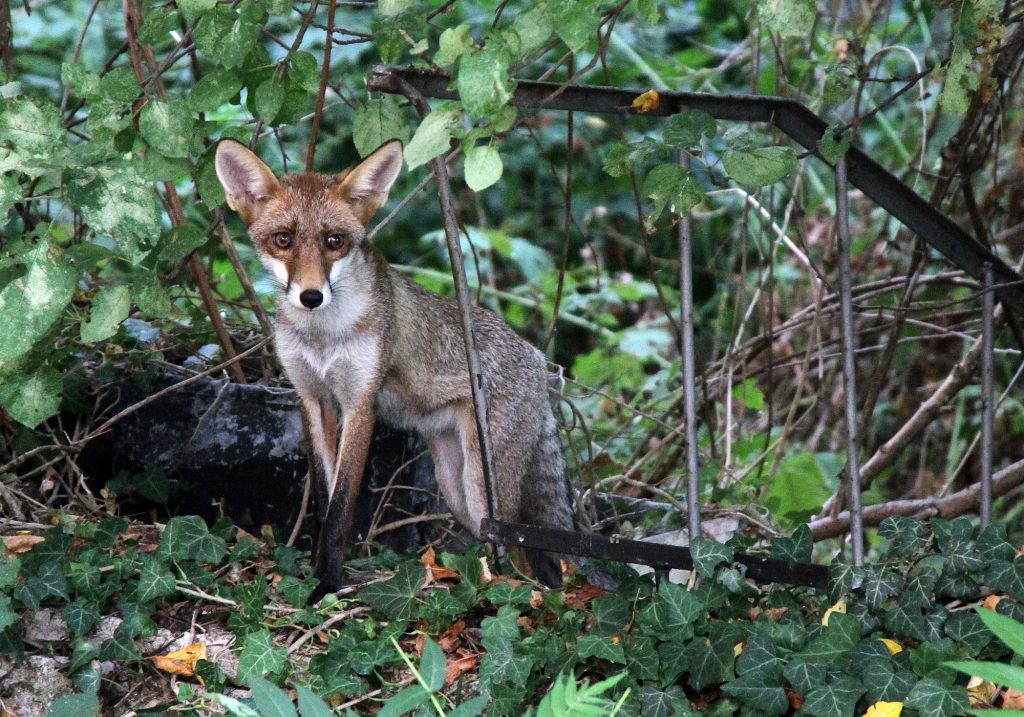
181 662
838 607
19 544
982 693
884 709
893 646
647 102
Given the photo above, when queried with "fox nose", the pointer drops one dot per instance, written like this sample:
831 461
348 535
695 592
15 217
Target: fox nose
311 298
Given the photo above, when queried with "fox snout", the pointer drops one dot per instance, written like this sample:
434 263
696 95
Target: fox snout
311 298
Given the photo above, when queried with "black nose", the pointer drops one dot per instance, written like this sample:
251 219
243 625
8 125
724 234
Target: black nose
311 298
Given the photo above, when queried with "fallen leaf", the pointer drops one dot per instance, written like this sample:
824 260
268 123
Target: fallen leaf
19 544
451 636
647 102
578 599
459 665
991 601
796 700
840 606
1013 699
436 572
893 646
181 662
982 692
486 576
884 709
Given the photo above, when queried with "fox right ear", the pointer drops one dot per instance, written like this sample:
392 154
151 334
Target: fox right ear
248 182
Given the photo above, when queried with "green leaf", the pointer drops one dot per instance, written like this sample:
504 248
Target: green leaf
959 80
151 298
906 536
188 538
304 71
533 28
837 698
9 568
796 548
931 698
390 8
1001 575
32 398
798 488
240 39
881 584
658 703
1001 674
30 127
160 22
759 166
310 705
469 708
404 701
483 167
378 121
120 85
85 82
1005 628
270 699
433 136
269 98
710 663
804 674
968 629
110 307
787 17
575 22
684 130
756 691
453 42
708 554
155 580
30 305
433 666
671 184
395 597
834 143
682 609
484 83
193 9
749 395
260 656
167 127
603 647
214 90
84 705
115 200
623 157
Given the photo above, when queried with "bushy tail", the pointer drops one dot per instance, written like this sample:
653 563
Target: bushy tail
547 499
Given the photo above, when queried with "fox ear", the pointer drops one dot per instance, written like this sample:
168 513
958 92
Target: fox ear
366 187
247 181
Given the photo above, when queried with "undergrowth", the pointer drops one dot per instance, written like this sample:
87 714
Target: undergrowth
441 635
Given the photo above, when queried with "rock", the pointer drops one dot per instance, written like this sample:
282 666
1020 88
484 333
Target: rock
43 626
29 689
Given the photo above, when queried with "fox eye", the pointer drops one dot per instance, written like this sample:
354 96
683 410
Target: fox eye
283 240
335 241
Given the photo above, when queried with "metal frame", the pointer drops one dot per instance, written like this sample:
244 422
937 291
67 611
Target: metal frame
854 167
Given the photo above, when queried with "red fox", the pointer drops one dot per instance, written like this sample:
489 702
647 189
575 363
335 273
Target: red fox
360 341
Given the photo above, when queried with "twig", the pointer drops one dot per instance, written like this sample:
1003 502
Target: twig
314 130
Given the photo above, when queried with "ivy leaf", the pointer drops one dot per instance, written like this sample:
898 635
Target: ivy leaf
787 17
484 83
404 701
837 698
932 698
968 629
395 597
671 184
682 609
167 126
799 487
1008 630
708 554
32 398
603 647
1005 576
759 166
880 585
214 90
82 705
188 538
804 674
710 663
884 683
906 536
268 100
483 167
993 545
658 703
270 700
110 307
155 580
433 136
796 547
377 122
684 130
761 657
260 656
759 692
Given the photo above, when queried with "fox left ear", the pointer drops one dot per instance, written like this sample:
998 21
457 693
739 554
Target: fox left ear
366 187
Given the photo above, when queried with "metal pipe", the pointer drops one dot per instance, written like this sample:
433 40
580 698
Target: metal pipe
988 404
849 362
685 235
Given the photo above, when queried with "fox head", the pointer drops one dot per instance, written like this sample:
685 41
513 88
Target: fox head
307 228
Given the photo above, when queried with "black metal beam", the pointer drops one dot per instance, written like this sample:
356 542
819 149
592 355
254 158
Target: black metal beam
655 555
793 118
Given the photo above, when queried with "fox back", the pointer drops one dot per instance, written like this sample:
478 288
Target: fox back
359 340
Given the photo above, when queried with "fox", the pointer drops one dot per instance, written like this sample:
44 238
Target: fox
360 341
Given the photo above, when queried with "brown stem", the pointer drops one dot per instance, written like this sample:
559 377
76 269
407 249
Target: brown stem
319 111
6 38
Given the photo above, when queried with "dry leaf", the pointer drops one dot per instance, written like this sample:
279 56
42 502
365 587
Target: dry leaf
486 576
181 662
19 544
840 606
1013 699
981 692
842 48
991 601
451 636
884 709
892 645
647 102
457 666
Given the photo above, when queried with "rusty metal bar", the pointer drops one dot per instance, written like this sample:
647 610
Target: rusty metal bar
794 119
988 401
655 555
849 362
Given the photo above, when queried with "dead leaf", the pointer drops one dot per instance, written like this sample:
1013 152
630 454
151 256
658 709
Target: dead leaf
458 666
840 606
982 692
884 709
893 646
181 662
842 48
1013 699
577 599
991 601
20 544
647 102
451 636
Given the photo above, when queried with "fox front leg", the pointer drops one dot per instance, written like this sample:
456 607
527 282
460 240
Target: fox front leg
347 475
320 420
